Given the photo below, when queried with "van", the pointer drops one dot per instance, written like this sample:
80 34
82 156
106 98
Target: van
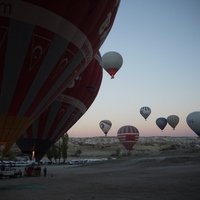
21 163
6 163
32 162
12 163
74 162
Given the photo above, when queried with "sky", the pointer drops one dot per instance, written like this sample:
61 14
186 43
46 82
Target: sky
159 41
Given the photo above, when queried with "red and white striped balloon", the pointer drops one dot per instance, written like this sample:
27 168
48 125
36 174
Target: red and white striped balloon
43 47
128 136
64 112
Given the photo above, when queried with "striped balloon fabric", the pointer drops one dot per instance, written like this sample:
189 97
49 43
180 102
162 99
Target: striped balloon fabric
173 120
64 112
128 136
44 46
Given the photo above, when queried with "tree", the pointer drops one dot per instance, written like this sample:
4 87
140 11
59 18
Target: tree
50 154
78 153
55 152
59 150
118 151
64 146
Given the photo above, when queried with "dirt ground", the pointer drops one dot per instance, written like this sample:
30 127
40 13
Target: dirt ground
166 175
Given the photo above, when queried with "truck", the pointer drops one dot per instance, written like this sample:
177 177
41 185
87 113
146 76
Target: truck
10 172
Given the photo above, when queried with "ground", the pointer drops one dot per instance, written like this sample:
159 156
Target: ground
166 175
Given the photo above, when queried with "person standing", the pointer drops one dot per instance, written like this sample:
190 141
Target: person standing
45 171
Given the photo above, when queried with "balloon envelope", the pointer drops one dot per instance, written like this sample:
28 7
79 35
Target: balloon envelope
105 126
128 136
161 122
193 121
145 112
43 47
112 62
63 113
173 120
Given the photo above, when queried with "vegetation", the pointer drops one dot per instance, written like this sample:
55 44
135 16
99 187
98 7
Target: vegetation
59 150
77 153
64 147
118 151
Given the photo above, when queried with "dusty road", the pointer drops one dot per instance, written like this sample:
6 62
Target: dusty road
164 175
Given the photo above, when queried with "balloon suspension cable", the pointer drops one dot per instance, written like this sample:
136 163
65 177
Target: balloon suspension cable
112 76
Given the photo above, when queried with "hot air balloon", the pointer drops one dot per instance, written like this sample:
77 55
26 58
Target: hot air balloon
145 112
193 121
105 126
161 122
112 62
44 47
63 113
128 136
173 120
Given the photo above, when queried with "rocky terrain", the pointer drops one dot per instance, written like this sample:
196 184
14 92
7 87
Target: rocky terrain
107 146
104 146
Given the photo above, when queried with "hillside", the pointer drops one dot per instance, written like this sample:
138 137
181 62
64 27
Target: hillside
105 146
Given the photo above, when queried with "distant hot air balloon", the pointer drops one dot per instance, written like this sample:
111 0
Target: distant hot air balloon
161 123
128 136
43 47
63 113
145 112
193 121
173 120
105 126
112 62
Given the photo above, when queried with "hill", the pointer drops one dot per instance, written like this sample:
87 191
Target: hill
105 146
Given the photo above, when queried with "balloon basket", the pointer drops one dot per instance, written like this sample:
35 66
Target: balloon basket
32 171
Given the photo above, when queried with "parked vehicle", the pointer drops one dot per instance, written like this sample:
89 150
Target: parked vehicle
21 163
83 161
77 162
12 163
10 172
74 162
32 163
6 163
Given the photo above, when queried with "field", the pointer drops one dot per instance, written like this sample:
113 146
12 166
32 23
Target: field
151 172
